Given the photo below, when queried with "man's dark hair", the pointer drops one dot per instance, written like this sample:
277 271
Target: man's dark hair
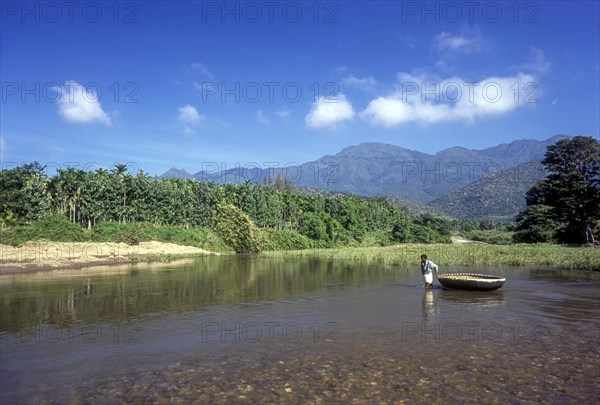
424 257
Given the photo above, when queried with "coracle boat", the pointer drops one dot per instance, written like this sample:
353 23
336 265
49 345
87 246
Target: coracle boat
467 281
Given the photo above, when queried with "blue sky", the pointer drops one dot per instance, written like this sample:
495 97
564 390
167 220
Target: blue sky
186 84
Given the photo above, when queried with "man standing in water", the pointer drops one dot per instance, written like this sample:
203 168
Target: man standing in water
427 269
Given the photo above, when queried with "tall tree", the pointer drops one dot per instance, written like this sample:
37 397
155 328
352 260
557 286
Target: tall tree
572 187
22 189
120 172
279 183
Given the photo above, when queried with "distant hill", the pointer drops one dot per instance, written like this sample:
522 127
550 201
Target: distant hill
377 169
387 170
495 196
179 173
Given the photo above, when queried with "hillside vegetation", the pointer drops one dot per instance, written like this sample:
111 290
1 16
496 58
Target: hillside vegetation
498 196
113 205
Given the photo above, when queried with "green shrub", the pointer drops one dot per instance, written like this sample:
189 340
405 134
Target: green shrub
56 228
423 234
271 239
417 233
377 238
236 228
170 234
15 235
401 232
209 240
53 228
313 226
536 224
203 238
491 236
131 233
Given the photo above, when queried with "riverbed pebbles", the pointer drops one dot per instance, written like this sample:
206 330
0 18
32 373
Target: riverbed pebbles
524 374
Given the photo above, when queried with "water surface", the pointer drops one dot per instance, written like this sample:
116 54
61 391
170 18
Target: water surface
242 329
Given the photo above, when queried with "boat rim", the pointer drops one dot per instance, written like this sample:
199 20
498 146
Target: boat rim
471 276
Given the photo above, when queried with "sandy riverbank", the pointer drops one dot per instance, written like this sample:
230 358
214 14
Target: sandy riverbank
41 256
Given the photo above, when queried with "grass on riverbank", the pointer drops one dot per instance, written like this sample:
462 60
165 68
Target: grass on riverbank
59 229
466 254
282 243
490 236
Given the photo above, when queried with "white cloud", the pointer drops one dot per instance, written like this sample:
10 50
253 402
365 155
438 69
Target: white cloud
537 63
201 67
417 99
368 84
387 112
189 115
262 118
80 105
189 118
329 112
283 113
468 41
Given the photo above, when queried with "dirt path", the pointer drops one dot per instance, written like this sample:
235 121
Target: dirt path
40 256
460 239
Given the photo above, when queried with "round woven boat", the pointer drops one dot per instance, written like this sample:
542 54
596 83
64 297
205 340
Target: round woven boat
467 281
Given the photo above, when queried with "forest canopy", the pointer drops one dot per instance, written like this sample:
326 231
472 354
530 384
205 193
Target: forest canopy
239 214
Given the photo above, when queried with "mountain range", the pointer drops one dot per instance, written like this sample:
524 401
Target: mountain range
465 183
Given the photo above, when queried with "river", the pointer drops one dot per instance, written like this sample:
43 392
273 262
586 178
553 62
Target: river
238 329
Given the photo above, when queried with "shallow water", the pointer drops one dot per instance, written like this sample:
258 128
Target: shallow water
241 329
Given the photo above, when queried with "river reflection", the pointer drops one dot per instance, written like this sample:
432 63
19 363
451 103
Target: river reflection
478 298
128 292
237 329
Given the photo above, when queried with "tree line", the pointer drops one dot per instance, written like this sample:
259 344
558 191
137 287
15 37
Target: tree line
235 212
564 207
